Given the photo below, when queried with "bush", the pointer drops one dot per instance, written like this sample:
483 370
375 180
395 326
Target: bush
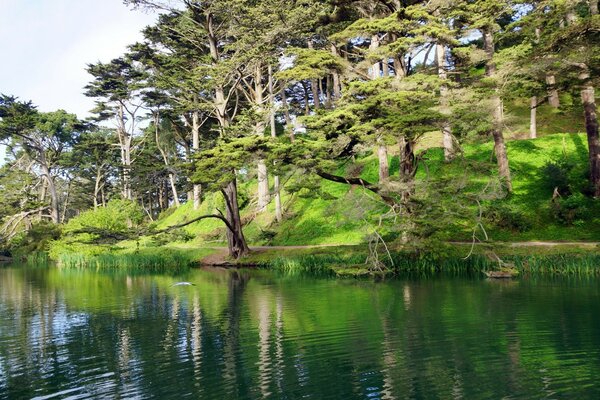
118 216
92 230
571 210
565 175
176 235
36 239
506 217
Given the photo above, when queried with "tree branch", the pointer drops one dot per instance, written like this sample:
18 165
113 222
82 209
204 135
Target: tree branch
358 181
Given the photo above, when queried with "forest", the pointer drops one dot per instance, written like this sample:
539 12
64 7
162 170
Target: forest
390 125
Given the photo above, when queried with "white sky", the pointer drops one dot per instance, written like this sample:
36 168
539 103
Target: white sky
46 44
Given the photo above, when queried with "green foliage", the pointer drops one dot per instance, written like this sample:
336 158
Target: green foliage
148 260
571 210
37 239
119 216
565 175
509 217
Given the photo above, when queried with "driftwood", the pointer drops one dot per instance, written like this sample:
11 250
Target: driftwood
507 274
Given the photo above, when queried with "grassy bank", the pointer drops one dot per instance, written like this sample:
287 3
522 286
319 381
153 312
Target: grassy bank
355 261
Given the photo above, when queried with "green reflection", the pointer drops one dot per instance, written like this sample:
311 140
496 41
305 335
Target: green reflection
238 334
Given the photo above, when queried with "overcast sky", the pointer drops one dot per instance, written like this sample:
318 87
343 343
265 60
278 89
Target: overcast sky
46 44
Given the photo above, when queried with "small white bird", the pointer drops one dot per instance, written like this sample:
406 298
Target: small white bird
183 284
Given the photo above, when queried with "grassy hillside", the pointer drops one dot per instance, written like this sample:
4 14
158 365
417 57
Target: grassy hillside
334 216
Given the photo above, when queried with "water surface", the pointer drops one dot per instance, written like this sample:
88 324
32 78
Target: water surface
243 335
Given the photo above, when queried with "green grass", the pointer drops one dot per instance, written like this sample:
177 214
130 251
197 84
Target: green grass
337 214
145 259
351 262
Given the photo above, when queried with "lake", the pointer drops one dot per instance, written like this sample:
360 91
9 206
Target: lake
254 334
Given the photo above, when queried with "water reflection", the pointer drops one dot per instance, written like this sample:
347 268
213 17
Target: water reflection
252 335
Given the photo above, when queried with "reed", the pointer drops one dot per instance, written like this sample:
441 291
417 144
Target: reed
163 261
403 264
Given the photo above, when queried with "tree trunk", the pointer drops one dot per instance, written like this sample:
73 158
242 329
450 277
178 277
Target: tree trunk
407 166
54 206
553 98
236 243
263 186
497 110
125 147
406 155
262 174
499 145
314 85
197 189
594 7
97 185
447 140
375 68
533 119
276 188
337 88
286 114
165 160
384 168
591 128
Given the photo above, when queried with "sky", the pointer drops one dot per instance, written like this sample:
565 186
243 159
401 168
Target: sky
46 44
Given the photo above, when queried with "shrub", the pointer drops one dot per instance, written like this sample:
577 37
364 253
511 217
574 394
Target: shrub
118 216
36 239
570 210
565 175
506 217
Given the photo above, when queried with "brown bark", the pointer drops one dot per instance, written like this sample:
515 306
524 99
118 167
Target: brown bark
407 166
591 128
236 243
407 159
497 110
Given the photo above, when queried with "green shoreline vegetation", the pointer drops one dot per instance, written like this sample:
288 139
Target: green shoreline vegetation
339 138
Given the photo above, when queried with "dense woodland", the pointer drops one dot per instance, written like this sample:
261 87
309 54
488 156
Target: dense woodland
284 96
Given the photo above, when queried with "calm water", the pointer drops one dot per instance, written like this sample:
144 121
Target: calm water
67 334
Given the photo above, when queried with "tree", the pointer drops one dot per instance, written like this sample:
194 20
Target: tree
117 86
44 137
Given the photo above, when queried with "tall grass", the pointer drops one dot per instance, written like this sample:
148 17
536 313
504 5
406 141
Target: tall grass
353 265
37 259
558 264
158 262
